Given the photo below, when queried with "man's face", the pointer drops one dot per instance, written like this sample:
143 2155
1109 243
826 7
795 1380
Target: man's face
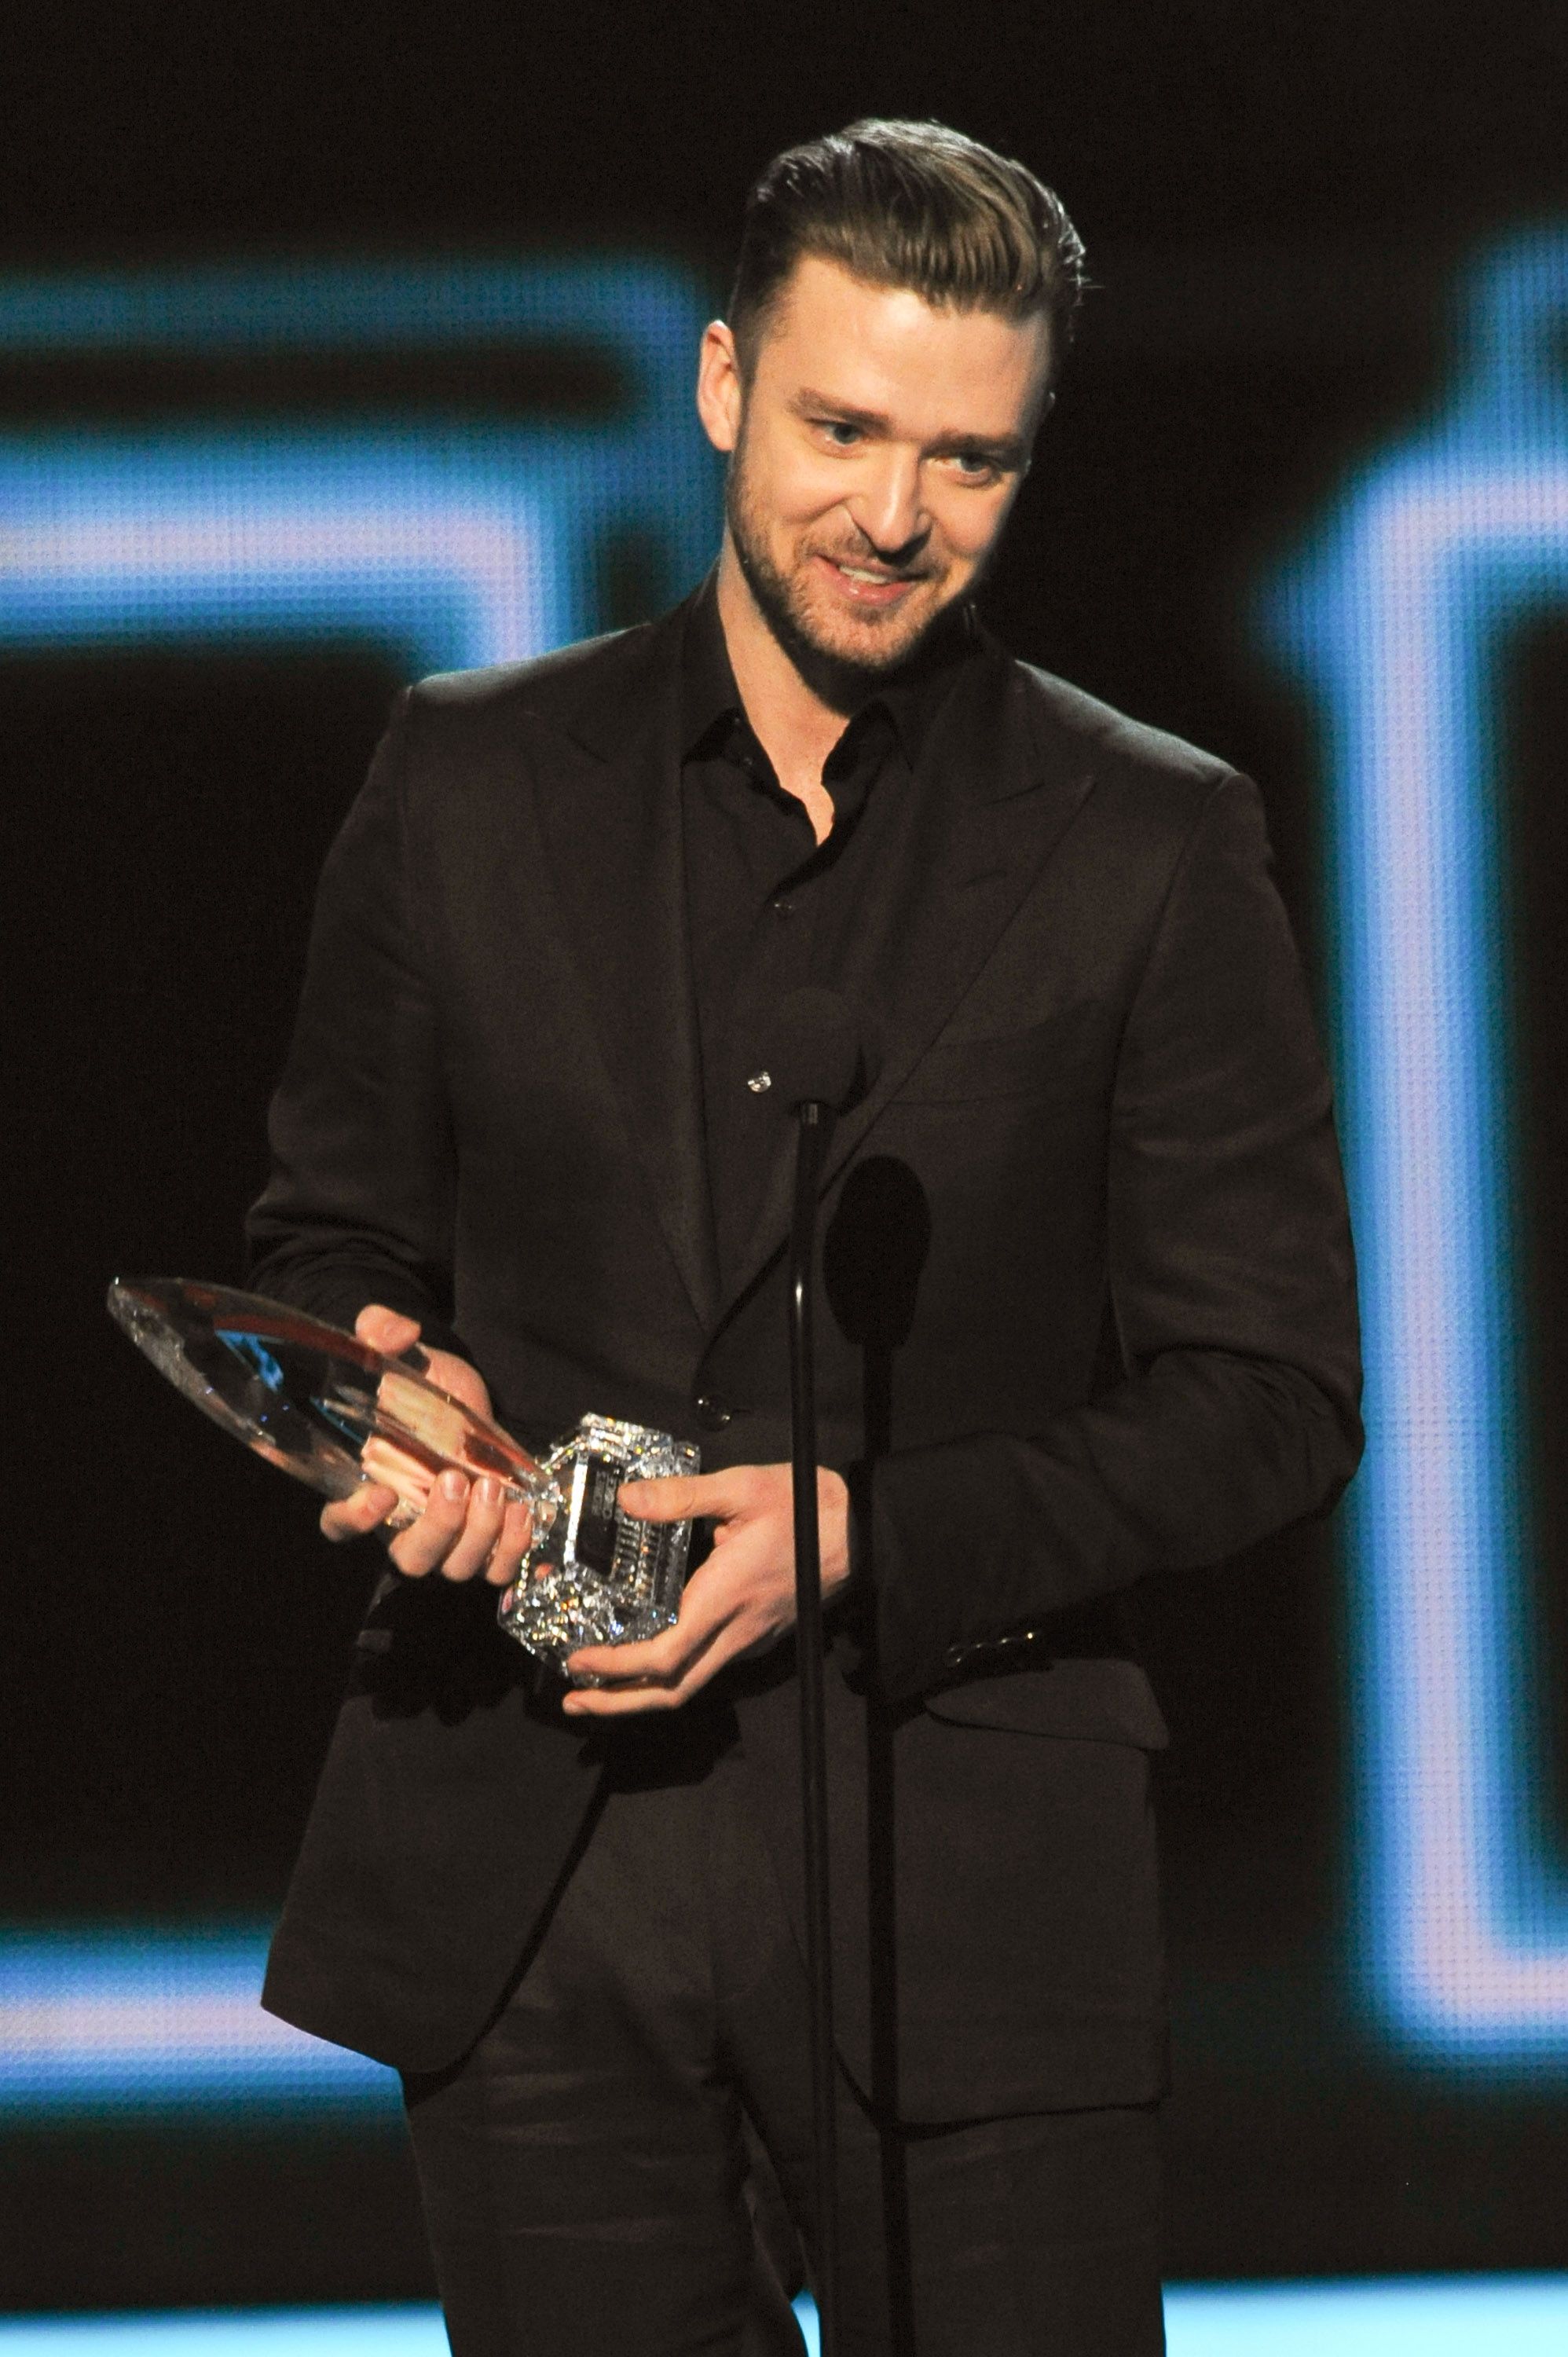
877 452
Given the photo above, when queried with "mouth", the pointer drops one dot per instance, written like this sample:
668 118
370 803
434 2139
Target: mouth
868 586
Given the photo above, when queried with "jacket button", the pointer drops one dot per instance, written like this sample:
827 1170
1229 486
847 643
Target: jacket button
712 1414
985 1649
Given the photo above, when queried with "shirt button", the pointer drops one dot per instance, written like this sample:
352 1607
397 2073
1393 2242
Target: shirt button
760 1083
712 1414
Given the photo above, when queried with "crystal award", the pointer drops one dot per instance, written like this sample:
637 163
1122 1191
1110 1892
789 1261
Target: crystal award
308 1397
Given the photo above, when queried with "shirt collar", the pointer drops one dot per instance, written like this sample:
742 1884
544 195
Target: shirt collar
910 699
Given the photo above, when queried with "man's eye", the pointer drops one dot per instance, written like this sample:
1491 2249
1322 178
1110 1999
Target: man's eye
840 433
976 463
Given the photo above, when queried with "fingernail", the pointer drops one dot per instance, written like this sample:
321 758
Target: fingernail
489 1490
453 1487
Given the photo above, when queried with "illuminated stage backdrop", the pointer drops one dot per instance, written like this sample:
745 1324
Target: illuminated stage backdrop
1401 617
451 463
443 534
479 525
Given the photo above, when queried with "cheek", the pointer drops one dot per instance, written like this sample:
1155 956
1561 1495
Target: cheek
972 529
969 522
806 490
778 503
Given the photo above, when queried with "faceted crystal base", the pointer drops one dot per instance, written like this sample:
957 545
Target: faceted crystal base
600 1577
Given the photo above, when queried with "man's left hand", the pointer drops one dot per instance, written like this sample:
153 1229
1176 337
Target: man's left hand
741 1600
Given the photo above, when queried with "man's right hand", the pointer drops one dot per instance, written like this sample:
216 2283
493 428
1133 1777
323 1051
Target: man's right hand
462 1529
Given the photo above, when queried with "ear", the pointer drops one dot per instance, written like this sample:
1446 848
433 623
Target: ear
720 394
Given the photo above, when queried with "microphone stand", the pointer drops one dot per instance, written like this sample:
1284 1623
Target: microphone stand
814 1123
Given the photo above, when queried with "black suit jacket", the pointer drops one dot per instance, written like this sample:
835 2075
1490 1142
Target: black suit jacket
1089 1316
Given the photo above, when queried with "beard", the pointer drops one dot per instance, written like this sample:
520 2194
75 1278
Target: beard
846 669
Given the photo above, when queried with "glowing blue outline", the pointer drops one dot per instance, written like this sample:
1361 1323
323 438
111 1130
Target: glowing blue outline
107 2022
1412 2315
446 542
1396 616
443 541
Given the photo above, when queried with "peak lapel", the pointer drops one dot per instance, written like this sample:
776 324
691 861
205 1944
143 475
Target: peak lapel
612 828
990 800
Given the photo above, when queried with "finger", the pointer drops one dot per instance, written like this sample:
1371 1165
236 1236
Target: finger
661 1657
386 1329
392 1469
432 1538
682 1497
392 1464
351 1518
517 1536
657 1660
707 1605
657 1694
481 1528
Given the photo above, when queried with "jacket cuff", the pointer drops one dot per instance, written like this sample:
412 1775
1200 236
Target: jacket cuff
898 1525
942 1601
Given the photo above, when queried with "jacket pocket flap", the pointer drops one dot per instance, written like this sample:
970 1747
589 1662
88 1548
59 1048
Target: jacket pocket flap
1089 1701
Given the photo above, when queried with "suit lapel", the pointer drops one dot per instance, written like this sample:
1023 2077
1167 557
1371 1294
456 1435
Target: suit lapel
990 800
612 822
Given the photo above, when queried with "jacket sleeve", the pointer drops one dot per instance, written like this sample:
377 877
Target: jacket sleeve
358 1206
1231 1286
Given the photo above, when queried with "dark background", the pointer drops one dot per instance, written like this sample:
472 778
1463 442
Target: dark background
1275 200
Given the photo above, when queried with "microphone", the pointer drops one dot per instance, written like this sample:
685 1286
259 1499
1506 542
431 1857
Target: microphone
817 1052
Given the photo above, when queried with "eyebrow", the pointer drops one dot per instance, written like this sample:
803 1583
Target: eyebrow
1004 450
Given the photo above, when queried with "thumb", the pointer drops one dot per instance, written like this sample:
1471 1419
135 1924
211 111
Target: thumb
667 1498
682 1497
386 1329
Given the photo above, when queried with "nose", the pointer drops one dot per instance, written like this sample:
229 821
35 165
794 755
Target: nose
887 506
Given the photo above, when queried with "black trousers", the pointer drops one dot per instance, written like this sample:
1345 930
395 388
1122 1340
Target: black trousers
584 2168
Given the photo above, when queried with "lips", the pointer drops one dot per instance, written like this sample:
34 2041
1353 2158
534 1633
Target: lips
863 585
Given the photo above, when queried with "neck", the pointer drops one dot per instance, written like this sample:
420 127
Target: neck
796 720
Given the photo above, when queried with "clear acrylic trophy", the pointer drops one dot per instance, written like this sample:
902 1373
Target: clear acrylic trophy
308 1397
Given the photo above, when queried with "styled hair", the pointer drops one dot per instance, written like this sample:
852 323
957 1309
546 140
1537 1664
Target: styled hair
914 205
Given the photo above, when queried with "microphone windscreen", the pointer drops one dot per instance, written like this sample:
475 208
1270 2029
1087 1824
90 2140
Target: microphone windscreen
816 1050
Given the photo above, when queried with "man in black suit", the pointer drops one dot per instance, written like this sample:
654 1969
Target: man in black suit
1087 1317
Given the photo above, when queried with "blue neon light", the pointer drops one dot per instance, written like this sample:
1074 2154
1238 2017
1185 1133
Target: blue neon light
446 541
369 2331
115 2022
1397 618
1451 2316
1437 2317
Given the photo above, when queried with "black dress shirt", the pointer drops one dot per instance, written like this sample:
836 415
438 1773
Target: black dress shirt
769 908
